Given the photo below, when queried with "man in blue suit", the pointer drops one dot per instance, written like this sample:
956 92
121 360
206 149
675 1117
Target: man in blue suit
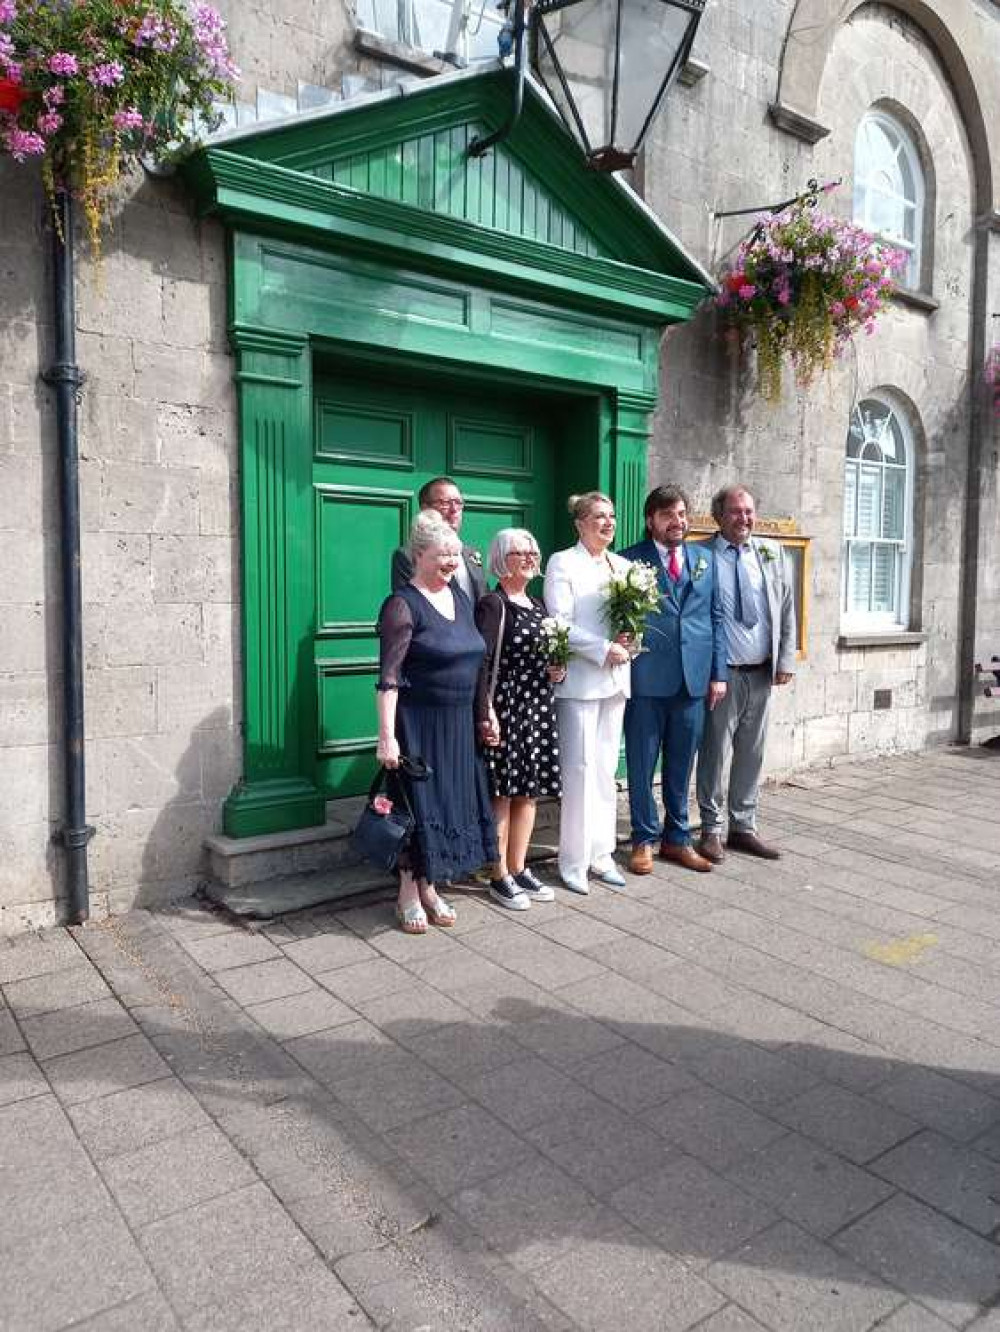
683 664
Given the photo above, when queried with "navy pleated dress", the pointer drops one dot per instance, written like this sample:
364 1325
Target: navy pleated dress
434 663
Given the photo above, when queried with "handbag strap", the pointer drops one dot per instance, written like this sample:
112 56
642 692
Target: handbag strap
495 664
379 781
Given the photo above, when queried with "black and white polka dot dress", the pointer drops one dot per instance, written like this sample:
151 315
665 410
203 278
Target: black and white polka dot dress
526 762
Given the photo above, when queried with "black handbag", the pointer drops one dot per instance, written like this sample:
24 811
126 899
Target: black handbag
382 838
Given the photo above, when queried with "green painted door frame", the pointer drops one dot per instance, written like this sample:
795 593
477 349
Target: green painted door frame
409 265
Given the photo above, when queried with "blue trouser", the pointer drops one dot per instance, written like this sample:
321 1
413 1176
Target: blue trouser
666 730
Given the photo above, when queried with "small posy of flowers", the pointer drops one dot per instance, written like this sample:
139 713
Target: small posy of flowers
631 596
801 285
382 805
699 569
767 553
554 641
87 86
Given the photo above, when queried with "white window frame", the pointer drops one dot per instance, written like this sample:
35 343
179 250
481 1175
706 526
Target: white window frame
898 619
470 29
905 152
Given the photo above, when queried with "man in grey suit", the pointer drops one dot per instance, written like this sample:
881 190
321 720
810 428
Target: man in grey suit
759 616
444 497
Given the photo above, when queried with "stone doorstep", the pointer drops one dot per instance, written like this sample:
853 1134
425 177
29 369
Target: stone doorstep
262 877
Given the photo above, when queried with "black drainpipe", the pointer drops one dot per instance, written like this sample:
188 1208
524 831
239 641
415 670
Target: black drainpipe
65 377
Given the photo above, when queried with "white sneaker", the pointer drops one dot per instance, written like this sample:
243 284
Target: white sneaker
530 884
509 894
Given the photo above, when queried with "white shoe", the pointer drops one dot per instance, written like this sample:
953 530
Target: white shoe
608 873
576 883
532 885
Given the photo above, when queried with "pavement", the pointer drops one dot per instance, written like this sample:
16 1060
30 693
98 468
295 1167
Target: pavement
765 1097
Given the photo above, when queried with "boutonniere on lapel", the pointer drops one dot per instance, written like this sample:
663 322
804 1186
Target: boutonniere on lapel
699 568
475 557
768 554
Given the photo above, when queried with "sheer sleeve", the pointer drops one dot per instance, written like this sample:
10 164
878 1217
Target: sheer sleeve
489 612
395 631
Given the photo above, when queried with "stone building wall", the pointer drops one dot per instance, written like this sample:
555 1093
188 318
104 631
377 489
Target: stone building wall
158 447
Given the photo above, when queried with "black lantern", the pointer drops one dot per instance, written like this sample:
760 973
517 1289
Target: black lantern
607 65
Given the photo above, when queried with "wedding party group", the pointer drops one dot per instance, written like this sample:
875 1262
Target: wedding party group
490 699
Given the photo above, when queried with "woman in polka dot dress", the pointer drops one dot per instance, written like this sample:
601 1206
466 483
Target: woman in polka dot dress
524 765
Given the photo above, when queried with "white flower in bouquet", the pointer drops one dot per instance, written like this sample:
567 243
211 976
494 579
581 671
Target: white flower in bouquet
555 648
631 597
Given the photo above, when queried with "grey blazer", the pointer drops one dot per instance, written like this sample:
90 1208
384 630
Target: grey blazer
780 598
402 570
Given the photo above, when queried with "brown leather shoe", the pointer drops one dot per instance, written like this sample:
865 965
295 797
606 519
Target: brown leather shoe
641 859
751 845
710 846
686 856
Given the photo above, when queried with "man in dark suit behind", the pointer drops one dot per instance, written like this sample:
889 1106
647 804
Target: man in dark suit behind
683 662
444 497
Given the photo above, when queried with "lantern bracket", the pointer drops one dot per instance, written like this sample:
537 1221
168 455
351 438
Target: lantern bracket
481 144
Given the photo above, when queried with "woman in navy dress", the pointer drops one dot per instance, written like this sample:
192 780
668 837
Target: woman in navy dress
431 652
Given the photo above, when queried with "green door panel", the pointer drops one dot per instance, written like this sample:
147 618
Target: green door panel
375 445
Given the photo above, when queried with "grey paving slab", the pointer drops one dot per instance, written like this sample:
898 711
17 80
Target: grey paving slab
632 1078
717 1129
808 1185
410 1015
203 1254
563 1037
347 1053
950 1177
98 1267
365 980
691 1211
463 1050
857 1127
404 1092
750 1073
606 1151
457 1147
261 981
11 1039
618 1281
127 1120
20 1077
235 948
47 1179
326 952
791 1282
171 1175
730 1318
534 1214
301 1014
309 1297
77 984
939 1102
50 1034
936 1262
911 1317
528 1094
150 1312
38 954
104 1069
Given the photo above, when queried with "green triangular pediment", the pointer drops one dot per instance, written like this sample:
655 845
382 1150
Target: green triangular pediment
413 149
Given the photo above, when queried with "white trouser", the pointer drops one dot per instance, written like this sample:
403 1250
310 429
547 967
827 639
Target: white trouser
590 732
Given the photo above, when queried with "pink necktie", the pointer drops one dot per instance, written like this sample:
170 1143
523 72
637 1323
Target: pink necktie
674 564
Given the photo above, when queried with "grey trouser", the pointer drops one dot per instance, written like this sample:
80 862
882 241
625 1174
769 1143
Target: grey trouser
739 722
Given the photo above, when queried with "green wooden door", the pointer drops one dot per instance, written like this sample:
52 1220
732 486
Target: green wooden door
376 443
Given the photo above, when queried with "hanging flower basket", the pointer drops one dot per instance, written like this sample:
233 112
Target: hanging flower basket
800 287
89 86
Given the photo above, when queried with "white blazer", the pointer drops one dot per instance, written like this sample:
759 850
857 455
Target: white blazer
576 589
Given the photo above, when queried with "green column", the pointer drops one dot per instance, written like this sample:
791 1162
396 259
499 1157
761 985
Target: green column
629 452
277 790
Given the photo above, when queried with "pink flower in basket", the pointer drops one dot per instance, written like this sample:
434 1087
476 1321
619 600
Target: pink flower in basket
382 805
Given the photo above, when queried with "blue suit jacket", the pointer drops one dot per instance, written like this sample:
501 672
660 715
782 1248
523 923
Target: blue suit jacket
685 641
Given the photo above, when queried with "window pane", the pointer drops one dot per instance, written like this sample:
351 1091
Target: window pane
869 502
893 502
859 574
884 580
850 498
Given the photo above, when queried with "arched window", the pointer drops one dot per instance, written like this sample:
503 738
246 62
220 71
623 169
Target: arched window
878 518
889 188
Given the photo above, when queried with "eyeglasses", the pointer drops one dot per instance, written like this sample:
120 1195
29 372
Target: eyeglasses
532 555
449 504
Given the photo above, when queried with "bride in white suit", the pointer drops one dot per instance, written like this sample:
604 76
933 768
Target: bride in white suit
590 703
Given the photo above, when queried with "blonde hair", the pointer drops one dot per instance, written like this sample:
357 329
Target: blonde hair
429 529
500 548
579 506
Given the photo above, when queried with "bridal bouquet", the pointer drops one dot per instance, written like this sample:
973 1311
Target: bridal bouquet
631 597
555 640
